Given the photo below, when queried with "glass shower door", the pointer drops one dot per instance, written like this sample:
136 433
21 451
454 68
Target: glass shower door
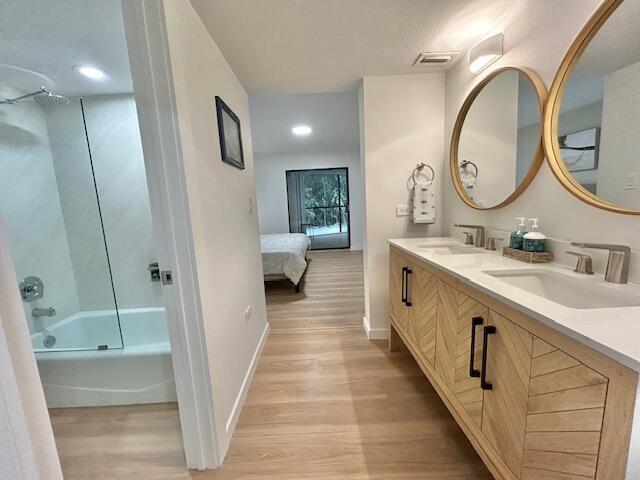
50 208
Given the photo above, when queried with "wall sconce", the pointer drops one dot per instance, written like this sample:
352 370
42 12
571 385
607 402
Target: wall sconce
485 53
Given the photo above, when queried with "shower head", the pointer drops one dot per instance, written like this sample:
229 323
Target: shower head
47 98
41 97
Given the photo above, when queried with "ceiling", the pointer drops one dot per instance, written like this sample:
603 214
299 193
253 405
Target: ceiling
42 40
332 116
329 45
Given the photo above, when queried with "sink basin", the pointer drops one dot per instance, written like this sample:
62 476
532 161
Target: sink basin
582 293
448 249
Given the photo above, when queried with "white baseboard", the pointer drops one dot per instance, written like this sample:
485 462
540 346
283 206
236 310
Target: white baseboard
374 334
246 383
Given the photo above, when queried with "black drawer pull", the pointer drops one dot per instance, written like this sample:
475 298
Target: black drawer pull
407 302
490 330
475 321
404 284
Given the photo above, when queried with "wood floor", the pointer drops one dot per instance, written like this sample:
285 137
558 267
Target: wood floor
325 404
332 293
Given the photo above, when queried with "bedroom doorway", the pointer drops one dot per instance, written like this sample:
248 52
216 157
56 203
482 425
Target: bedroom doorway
318 201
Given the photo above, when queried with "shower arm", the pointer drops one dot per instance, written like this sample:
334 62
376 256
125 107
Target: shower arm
28 95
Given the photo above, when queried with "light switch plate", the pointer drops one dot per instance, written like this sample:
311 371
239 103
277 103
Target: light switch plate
247 314
402 210
631 182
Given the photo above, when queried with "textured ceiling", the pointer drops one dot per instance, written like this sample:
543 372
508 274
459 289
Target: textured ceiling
328 45
42 40
332 116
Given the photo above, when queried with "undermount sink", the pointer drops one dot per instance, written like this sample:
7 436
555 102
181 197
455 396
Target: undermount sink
582 293
448 249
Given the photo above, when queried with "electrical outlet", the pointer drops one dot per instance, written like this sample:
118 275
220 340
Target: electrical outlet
247 314
402 210
250 205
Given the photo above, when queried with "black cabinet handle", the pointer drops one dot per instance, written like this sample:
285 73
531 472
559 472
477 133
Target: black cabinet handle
404 284
475 321
407 302
489 330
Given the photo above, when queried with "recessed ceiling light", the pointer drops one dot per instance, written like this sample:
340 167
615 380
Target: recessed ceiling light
91 72
301 130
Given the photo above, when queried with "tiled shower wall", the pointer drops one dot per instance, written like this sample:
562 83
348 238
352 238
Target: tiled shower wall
48 202
35 223
118 162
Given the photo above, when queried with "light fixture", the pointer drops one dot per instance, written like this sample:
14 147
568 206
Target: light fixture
485 53
91 72
301 130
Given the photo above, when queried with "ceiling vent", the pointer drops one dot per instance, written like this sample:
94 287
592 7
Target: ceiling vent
435 58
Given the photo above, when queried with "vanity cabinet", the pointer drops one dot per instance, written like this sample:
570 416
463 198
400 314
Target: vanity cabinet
534 403
413 303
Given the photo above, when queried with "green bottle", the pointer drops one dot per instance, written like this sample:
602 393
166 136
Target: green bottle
517 237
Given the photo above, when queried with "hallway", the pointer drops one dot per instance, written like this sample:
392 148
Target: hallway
325 403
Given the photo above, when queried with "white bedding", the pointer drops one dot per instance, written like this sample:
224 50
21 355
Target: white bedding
284 254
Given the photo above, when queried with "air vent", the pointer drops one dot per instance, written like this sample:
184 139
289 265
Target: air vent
435 58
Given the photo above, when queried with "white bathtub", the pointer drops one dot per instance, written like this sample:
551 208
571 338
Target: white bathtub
139 372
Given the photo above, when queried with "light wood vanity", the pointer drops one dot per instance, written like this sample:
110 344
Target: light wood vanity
535 403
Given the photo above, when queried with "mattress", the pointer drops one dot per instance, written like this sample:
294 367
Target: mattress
284 254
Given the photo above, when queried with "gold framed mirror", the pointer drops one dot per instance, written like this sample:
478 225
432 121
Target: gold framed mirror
590 129
496 145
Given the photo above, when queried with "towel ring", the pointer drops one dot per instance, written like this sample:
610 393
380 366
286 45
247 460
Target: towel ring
421 166
465 163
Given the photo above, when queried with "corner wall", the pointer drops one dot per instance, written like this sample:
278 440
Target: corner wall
225 226
402 120
538 37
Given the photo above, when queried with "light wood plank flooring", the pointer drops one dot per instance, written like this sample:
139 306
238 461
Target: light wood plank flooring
332 293
325 404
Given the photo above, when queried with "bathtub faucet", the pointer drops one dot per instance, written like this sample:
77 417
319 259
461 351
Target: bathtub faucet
44 312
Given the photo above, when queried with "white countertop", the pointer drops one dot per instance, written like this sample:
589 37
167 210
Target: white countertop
615 332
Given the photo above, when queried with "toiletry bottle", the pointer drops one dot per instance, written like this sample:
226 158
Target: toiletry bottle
534 241
517 237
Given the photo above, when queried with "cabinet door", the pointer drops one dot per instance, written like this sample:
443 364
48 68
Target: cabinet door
564 417
472 317
397 271
423 295
507 369
446 332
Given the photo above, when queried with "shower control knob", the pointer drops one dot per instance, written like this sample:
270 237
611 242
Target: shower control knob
31 289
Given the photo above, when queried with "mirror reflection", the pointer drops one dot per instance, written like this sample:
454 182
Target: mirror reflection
598 137
499 140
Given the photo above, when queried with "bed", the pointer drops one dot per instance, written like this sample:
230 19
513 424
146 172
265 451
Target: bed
284 256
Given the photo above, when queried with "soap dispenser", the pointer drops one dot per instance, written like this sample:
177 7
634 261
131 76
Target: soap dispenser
517 237
534 241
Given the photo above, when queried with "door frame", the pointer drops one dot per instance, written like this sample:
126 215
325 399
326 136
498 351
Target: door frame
348 201
149 60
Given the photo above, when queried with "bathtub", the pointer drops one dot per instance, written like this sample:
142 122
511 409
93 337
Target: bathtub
80 374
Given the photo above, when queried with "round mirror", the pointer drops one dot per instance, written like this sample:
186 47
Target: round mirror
496 147
591 124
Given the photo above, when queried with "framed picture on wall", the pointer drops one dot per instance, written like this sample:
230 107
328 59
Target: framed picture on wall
230 135
580 149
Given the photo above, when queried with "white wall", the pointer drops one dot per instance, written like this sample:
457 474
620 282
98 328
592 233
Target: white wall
225 229
538 37
271 188
31 207
619 139
402 121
